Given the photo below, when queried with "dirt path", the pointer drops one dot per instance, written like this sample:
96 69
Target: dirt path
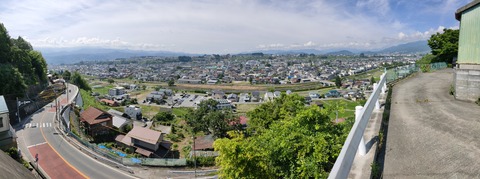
430 134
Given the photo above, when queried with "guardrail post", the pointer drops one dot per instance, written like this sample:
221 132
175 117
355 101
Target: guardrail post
375 87
358 115
384 86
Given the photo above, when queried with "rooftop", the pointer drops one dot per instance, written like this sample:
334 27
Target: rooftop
458 14
144 134
3 105
94 116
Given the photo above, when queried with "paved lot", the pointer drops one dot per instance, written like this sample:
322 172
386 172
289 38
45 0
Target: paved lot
430 134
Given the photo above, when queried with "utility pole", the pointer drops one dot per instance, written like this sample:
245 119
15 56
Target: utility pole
194 157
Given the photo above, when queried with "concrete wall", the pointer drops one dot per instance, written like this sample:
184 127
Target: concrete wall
467 84
5 122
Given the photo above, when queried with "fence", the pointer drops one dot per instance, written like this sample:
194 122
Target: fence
354 141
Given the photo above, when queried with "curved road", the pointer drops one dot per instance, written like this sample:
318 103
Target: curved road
40 132
430 134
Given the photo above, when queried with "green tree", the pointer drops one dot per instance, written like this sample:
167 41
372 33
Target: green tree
208 119
78 80
111 81
11 80
427 59
264 115
336 107
164 116
445 45
338 81
372 80
171 82
39 65
67 75
304 145
5 45
22 44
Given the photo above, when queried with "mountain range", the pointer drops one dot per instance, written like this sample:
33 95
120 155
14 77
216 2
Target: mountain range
74 55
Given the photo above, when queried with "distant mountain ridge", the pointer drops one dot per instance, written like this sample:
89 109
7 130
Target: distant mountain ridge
74 55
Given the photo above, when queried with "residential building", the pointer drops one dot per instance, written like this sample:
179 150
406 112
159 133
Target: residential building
116 91
7 133
223 104
467 72
118 120
134 112
96 121
144 141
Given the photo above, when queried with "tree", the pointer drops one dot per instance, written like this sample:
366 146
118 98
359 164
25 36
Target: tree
11 80
5 45
111 81
22 44
164 116
445 45
338 81
304 145
171 82
264 115
66 75
78 80
372 80
208 119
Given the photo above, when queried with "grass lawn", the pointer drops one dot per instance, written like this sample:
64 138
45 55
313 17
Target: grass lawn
376 73
242 109
149 111
103 90
320 91
180 112
349 107
89 100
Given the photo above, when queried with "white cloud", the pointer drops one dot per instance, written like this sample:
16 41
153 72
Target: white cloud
206 26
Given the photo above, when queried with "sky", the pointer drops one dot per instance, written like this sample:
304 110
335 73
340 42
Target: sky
227 26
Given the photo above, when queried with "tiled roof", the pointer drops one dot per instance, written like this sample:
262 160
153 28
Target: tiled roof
94 116
144 134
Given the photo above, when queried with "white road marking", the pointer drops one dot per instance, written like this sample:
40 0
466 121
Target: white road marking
36 144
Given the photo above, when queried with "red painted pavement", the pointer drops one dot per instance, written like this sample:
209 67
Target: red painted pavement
52 164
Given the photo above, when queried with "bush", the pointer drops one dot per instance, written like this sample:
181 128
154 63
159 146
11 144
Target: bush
201 161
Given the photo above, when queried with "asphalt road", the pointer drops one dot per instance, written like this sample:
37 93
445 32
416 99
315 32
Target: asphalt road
430 134
40 130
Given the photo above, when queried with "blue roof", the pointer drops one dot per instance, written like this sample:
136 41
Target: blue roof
3 105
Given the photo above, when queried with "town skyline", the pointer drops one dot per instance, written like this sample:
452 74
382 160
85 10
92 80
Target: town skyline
207 27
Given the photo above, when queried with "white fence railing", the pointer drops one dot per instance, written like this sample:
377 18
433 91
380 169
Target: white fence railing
354 141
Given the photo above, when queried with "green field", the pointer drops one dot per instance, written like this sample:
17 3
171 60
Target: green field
103 90
376 73
349 107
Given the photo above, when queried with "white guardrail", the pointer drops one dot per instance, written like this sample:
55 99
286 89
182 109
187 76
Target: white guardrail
354 141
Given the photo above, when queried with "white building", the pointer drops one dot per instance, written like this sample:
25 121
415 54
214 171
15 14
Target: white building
134 112
7 133
116 91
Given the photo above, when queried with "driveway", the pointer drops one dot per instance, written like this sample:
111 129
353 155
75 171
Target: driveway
430 134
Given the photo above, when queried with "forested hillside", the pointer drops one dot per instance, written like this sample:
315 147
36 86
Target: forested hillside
20 65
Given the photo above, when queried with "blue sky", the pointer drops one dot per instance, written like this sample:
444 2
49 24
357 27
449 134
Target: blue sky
215 26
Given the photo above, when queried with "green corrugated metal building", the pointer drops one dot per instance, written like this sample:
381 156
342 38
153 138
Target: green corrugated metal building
467 71
469 42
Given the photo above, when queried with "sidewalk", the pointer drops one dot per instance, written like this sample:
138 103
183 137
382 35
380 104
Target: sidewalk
361 167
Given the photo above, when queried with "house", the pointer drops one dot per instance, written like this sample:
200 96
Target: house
155 96
167 92
204 143
332 94
467 71
212 82
314 95
116 91
244 97
223 104
109 102
277 94
232 97
8 137
134 112
218 94
268 96
144 141
255 96
118 120
189 81
96 121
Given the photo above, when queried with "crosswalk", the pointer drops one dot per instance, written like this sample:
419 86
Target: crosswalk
38 125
